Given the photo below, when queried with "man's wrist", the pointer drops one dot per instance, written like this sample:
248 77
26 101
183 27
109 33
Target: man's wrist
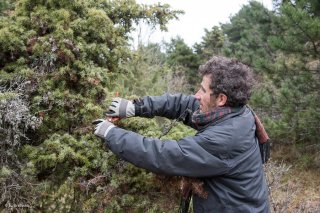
138 103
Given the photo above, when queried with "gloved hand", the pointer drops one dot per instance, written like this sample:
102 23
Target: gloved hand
102 127
121 108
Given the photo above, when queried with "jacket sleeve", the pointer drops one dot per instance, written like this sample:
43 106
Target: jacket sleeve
180 158
169 106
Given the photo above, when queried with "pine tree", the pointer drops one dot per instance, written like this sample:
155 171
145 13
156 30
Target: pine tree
212 43
283 48
247 35
182 57
297 39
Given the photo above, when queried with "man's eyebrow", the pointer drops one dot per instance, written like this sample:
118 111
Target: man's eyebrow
203 89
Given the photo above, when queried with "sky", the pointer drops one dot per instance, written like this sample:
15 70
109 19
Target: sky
199 14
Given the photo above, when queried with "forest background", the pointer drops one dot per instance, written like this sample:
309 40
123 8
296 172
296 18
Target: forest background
61 62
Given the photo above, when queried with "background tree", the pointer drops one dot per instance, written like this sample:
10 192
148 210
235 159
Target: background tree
297 42
247 35
182 57
283 47
212 43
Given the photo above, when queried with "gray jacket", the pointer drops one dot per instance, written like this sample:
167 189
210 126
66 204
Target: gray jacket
225 155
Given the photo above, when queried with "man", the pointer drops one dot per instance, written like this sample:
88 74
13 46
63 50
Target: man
224 153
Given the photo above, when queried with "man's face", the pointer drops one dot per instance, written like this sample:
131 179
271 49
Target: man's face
205 95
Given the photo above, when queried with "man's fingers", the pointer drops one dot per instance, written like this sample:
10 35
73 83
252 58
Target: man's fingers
95 122
113 108
116 100
110 112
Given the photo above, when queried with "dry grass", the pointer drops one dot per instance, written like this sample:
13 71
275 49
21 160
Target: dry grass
293 189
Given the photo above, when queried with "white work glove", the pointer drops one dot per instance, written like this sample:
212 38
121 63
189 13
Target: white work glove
121 108
102 127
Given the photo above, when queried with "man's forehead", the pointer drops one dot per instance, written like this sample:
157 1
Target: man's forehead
206 79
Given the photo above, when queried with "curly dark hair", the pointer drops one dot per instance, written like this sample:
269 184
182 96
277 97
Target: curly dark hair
230 77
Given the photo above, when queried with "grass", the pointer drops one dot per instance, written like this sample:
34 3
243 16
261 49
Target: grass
294 181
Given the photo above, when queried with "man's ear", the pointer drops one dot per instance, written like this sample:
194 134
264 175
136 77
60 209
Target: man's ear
221 99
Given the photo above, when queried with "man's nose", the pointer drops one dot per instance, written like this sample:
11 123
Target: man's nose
197 95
